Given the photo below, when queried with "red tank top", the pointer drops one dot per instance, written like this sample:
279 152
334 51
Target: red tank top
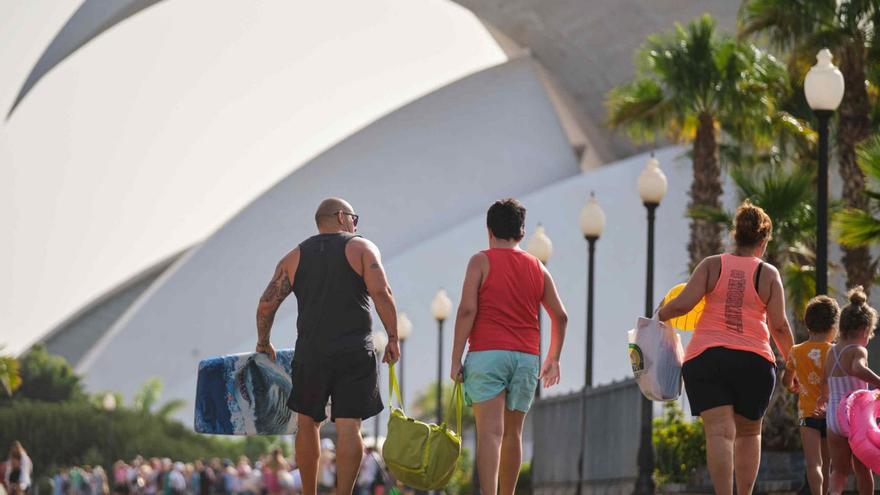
735 317
507 310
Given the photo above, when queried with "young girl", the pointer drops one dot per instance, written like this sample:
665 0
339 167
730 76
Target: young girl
846 370
803 375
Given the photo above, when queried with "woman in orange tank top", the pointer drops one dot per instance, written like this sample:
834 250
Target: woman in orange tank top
730 370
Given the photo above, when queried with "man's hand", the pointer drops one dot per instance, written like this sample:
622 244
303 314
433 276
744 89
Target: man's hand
267 349
392 351
550 373
455 373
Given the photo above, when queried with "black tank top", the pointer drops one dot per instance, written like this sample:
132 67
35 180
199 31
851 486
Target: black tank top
334 306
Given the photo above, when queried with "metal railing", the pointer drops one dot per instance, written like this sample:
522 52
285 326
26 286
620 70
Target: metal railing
610 440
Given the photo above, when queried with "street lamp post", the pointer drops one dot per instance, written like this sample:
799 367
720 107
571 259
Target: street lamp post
109 405
652 188
441 306
380 341
823 88
592 223
541 247
404 330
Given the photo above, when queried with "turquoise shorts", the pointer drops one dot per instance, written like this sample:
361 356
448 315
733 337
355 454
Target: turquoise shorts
488 373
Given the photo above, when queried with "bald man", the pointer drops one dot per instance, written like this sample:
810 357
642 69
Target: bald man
334 275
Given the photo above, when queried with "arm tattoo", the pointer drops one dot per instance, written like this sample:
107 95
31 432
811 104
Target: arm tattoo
277 290
375 266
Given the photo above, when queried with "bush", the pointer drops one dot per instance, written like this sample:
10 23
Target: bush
679 446
59 434
47 377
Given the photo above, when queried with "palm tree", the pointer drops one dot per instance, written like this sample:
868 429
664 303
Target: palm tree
147 397
691 83
848 29
861 227
10 378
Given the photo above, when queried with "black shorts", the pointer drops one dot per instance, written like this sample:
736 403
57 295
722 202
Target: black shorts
728 377
349 380
816 424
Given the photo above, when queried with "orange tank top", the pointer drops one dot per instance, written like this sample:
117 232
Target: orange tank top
735 317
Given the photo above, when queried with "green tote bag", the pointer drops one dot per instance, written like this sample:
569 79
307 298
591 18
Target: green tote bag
421 455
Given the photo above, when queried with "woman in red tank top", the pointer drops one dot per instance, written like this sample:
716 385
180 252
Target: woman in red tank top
498 317
730 370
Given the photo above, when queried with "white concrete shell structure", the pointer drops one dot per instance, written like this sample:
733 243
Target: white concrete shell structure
588 45
421 170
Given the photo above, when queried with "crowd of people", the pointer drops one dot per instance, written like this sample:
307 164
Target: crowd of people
270 474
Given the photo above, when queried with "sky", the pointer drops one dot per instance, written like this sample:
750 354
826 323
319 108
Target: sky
148 138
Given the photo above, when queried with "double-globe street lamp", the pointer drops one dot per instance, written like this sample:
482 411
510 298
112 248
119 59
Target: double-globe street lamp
823 88
541 247
652 188
441 306
592 223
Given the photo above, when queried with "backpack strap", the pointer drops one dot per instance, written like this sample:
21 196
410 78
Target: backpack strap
393 388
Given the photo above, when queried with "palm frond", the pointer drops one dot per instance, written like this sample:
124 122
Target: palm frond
148 395
10 377
785 22
709 214
170 408
868 157
856 227
640 107
800 285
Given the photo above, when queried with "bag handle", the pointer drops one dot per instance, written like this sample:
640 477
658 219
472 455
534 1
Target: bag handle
456 404
393 388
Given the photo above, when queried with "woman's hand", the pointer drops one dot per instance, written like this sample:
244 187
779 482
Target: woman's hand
455 373
550 373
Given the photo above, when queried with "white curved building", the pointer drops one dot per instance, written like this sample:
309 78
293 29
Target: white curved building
421 177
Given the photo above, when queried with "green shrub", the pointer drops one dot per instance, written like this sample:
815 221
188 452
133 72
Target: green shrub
679 446
76 433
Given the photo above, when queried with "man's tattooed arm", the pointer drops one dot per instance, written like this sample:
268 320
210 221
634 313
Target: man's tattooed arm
277 290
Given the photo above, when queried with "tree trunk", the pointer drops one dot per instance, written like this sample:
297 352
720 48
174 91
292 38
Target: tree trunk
853 128
705 191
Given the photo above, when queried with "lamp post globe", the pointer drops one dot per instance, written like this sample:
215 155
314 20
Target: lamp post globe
539 245
109 402
404 326
404 330
824 84
823 87
441 305
652 183
592 219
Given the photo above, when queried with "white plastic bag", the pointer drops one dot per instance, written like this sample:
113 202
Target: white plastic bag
656 354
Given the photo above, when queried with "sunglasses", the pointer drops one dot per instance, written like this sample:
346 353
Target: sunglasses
354 217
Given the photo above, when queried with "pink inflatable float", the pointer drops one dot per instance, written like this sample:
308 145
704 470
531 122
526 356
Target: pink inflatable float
864 434
843 410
